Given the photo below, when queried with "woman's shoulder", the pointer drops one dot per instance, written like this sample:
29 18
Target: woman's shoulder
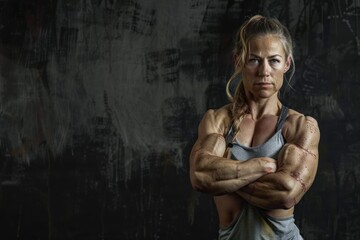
299 123
218 120
296 117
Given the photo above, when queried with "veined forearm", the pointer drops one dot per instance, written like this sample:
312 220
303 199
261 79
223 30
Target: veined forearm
261 194
221 175
272 202
273 191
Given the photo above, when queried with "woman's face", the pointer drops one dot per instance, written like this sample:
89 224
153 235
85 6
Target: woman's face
264 67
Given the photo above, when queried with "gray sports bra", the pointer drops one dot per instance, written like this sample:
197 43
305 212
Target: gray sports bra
270 148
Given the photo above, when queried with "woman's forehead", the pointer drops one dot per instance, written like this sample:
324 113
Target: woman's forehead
267 44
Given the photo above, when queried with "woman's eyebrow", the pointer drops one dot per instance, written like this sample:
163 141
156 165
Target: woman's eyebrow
272 56
275 55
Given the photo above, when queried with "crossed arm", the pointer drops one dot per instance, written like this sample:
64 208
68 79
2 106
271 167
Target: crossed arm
297 166
258 180
210 171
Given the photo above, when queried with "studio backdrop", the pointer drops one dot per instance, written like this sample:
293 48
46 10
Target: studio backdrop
100 102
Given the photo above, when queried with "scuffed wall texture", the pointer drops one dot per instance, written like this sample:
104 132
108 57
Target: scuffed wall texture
100 102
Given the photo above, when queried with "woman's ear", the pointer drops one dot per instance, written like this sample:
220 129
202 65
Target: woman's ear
287 64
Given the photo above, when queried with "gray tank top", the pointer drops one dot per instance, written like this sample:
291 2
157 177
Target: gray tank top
253 223
270 148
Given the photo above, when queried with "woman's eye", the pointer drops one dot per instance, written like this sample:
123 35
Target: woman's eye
253 60
274 61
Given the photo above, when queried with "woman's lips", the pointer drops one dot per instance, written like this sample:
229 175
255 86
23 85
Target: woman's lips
263 83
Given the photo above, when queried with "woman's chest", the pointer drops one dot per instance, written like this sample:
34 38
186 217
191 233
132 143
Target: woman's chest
254 133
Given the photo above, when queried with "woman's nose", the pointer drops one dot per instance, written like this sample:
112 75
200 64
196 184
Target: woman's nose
264 69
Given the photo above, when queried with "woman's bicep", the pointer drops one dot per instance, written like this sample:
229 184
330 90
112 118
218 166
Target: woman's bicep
210 135
298 159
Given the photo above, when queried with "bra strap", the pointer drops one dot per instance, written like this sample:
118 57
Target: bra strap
229 136
282 117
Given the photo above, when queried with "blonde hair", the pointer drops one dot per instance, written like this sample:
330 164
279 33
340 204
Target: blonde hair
254 27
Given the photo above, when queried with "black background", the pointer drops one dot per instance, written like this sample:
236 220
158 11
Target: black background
100 102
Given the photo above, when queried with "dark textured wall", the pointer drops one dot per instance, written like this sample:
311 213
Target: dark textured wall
100 102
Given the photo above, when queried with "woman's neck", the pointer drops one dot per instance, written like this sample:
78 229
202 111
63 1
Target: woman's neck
262 107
